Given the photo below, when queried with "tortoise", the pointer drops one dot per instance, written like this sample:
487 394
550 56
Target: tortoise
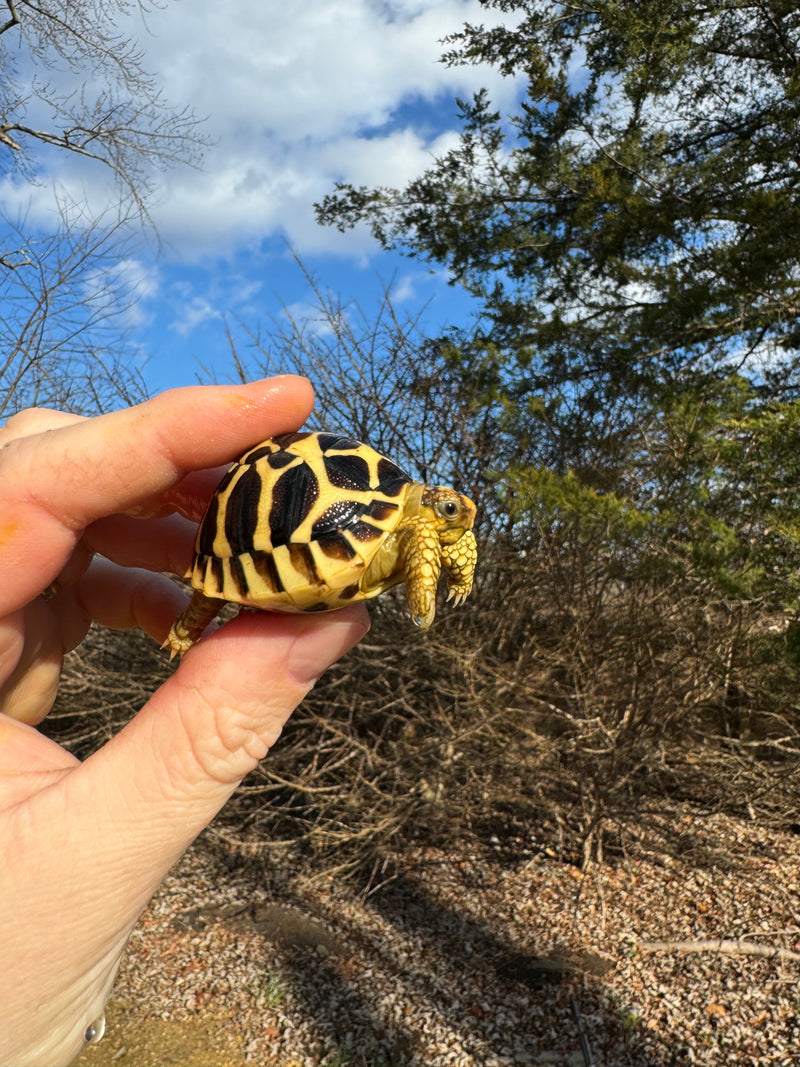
311 521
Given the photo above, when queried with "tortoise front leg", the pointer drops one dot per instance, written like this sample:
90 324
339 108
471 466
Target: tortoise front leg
423 567
459 560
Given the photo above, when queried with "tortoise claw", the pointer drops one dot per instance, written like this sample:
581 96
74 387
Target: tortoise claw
173 652
458 596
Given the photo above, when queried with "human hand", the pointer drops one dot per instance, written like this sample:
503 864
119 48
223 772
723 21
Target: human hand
95 509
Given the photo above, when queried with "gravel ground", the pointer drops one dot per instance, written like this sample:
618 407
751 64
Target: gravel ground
474 959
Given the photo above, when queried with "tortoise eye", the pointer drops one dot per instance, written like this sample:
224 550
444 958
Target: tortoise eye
448 509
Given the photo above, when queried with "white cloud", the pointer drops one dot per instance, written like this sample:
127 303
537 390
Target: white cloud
310 70
310 321
193 313
297 96
405 288
125 284
241 196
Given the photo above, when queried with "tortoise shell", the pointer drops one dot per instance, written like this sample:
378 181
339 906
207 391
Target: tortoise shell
312 521
296 520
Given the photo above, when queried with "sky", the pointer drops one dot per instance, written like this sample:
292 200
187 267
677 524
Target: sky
295 97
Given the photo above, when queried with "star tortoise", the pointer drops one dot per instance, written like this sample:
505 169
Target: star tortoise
312 521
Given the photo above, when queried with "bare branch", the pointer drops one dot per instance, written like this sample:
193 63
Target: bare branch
5 139
14 20
15 260
113 113
723 946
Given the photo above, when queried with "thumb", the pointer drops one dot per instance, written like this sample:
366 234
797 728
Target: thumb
169 771
106 831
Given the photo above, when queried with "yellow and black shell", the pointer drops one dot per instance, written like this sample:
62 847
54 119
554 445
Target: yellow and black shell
312 521
297 516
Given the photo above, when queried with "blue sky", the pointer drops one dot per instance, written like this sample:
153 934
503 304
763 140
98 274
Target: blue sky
297 95
184 324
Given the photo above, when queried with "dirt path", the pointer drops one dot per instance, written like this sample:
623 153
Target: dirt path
472 960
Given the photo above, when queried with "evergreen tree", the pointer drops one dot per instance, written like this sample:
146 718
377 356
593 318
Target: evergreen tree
632 231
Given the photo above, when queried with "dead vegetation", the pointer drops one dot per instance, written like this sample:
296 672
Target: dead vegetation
541 717
596 672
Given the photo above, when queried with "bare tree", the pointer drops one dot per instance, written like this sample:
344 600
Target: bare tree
68 301
72 82
588 685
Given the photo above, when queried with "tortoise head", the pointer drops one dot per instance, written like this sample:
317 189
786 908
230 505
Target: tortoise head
451 513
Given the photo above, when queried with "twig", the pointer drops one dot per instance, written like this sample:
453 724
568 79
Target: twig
582 1038
728 947
10 263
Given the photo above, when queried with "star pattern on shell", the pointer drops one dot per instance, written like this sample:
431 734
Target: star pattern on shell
311 521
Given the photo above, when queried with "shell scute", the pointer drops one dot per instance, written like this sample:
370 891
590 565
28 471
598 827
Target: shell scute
382 511
304 563
255 455
335 442
336 546
207 531
391 479
264 566
238 576
242 511
365 532
347 472
214 577
336 516
276 460
283 441
294 495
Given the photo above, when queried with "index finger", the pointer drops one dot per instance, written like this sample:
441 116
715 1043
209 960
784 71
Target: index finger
56 483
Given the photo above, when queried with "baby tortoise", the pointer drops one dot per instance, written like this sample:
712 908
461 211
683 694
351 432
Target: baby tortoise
312 521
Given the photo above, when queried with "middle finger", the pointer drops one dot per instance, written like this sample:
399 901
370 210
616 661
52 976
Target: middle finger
165 544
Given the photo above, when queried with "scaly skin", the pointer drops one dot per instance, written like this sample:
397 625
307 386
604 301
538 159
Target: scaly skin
459 561
423 564
427 539
187 627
